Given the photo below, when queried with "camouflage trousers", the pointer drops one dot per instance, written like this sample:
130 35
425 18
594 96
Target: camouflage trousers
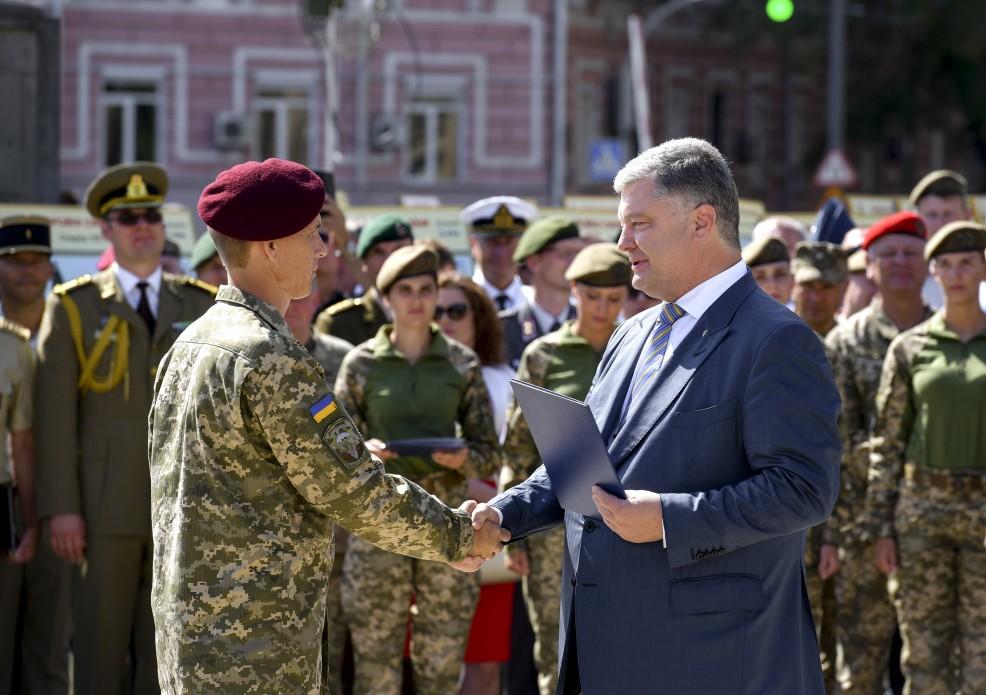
821 597
941 600
333 637
861 592
542 594
377 587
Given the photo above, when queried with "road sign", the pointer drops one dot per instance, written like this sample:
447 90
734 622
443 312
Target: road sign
606 157
835 171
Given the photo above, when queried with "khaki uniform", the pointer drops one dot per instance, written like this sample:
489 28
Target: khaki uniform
927 489
16 411
565 363
441 395
329 352
92 460
856 349
252 462
354 320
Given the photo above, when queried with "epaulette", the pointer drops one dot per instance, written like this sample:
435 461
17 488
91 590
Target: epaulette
74 284
9 326
195 282
345 305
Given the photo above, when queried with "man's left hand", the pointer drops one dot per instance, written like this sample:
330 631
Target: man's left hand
637 519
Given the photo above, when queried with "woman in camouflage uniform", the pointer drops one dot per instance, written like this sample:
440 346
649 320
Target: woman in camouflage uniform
564 361
410 382
927 483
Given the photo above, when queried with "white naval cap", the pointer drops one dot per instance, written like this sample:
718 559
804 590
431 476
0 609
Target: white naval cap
499 214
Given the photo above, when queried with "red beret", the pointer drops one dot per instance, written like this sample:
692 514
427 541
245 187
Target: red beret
905 222
260 201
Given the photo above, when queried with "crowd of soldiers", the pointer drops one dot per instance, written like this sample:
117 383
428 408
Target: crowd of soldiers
904 547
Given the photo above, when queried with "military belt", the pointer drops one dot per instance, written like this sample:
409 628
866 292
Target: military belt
945 480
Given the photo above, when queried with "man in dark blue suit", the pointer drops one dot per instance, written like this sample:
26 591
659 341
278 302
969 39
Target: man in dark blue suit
719 411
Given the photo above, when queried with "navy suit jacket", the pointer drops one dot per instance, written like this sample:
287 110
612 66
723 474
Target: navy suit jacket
738 435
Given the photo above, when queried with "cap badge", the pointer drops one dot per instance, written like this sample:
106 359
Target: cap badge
503 219
136 188
28 233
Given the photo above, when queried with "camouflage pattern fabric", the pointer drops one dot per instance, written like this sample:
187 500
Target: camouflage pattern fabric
251 463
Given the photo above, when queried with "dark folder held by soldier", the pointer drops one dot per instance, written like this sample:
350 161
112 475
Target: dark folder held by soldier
570 445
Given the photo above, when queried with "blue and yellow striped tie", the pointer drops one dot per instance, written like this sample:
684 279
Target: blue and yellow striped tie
657 343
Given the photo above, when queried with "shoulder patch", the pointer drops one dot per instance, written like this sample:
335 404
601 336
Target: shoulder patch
8 326
74 284
344 305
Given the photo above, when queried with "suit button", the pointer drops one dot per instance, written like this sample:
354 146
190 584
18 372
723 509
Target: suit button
590 526
572 581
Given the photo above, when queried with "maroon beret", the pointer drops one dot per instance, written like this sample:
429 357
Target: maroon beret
905 222
260 201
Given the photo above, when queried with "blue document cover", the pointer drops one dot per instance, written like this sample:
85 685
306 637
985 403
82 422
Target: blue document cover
570 445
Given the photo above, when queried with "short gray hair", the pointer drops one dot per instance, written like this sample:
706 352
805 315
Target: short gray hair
692 168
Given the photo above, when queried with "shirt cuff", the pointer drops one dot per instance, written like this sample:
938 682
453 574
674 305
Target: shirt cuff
499 516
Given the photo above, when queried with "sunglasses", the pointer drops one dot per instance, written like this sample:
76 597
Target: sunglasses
456 312
129 219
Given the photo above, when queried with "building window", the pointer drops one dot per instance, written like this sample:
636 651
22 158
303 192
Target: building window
432 140
281 126
130 121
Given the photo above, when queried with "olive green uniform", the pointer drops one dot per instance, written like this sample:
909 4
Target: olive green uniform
856 349
354 320
252 462
565 363
92 460
927 489
441 395
16 375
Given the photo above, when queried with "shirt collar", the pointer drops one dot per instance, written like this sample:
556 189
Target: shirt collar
697 300
546 319
266 312
510 290
128 281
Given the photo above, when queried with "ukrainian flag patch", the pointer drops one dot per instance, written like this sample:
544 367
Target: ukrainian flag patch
323 408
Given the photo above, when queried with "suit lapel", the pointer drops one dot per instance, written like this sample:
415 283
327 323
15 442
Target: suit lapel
116 303
606 404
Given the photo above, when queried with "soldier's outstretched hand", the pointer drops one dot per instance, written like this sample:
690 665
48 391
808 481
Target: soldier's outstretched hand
488 537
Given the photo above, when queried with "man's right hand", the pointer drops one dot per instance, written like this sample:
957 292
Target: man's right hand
68 536
487 538
885 555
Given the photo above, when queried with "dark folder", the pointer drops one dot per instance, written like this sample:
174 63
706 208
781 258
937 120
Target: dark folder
570 445
8 521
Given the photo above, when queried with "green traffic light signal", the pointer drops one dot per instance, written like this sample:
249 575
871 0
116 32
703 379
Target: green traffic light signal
779 10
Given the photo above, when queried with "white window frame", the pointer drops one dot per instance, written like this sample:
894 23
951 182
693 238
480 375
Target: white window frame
153 75
434 95
294 80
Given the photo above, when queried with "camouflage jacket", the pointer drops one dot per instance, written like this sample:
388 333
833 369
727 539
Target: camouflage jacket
251 461
931 412
441 395
856 349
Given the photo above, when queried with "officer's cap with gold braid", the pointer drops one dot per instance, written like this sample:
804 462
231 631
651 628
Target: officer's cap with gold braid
499 215
600 265
23 233
406 262
130 185
955 237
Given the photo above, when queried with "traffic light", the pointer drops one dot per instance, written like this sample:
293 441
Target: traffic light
779 10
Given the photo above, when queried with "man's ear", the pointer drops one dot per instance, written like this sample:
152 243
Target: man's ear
704 221
270 249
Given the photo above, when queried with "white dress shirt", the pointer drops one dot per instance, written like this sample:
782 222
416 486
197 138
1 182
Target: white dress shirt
517 293
546 319
128 283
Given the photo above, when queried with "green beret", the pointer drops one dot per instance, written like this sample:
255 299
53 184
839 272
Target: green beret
380 229
204 250
955 237
131 185
23 233
600 265
407 262
942 182
819 260
543 233
766 250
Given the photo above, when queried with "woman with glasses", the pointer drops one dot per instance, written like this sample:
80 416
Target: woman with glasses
926 496
408 384
564 361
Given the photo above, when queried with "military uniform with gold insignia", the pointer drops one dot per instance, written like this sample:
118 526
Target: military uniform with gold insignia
97 359
354 320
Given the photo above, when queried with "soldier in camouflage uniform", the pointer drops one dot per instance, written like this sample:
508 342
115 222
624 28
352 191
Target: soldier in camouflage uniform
564 361
253 460
411 382
927 479
856 348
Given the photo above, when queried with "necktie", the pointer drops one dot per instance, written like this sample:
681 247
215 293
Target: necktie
144 308
554 326
653 352
502 301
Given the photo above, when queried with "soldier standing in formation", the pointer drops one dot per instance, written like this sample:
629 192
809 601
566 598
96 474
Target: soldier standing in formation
495 225
206 263
547 247
252 461
410 382
927 477
99 347
564 361
856 348
770 264
357 320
